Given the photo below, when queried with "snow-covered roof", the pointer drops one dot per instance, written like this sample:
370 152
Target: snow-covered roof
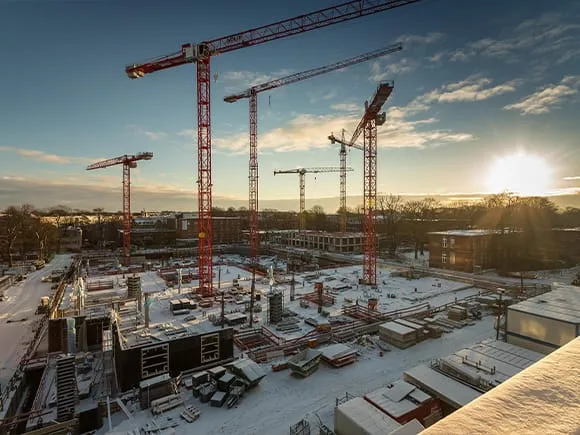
393 398
250 370
444 387
562 303
397 328
412 427
369 419
542 399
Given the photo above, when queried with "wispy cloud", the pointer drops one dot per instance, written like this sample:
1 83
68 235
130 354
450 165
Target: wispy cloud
346 107
429 38
549 98
381 72
43 156
471 89
548 34
153 135
246 79
188 132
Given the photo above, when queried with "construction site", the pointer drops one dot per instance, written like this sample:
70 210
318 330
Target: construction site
311 334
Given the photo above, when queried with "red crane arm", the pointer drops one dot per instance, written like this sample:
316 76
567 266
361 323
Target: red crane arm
303 23
126 159
296 77
371 110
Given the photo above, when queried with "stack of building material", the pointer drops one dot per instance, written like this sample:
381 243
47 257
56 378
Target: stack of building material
404 402
248 370
197 380
163 404
225 381
217 372
288 325
233 319
206 391
421 332
397 335
457 313
305 362
190 414
218 399
154 388
338 355
359 417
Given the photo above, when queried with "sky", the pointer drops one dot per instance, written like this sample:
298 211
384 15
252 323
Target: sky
475 82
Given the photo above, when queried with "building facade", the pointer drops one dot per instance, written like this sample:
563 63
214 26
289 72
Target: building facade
71 239
319 240
226 230
462 250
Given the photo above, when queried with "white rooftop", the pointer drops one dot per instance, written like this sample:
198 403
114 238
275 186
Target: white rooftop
465 233
562 303
367 417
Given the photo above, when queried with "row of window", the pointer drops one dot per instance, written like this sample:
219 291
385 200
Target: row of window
451 242
451 258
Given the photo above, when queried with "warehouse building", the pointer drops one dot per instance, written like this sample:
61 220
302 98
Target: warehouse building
546 322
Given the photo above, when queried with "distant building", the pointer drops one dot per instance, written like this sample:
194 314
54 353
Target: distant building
226 230
153 231
71 239
462 250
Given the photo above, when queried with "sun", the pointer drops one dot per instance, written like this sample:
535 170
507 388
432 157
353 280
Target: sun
521 173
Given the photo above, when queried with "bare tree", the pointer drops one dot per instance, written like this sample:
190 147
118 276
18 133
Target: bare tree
413 213
390 208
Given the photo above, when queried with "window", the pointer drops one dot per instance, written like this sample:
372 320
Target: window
452 258
444 242
444 258
452 242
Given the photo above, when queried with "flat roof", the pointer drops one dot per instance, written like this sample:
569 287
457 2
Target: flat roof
542 399
393 399
367 417
562 303
444 387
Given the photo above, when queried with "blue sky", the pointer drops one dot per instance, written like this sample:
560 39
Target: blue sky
475 81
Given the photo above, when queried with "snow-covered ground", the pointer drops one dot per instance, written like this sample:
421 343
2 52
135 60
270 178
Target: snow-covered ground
17 315
281 400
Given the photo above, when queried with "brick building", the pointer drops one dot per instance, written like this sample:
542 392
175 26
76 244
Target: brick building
463 250
153 231
226 230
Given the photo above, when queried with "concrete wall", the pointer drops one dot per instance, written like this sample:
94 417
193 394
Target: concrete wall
545 332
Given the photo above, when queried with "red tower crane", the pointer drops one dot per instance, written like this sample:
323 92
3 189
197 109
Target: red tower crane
252 95
369 122
201 54
302 181
128 162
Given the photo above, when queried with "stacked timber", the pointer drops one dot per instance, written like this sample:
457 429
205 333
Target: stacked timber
398 335
457 313
338 355
305 362
421 332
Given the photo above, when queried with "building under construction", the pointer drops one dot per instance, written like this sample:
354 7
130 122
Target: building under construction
320 240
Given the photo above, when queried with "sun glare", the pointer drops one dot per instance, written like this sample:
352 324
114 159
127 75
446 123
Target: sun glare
523 174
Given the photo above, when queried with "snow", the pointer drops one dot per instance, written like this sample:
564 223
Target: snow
562 303
357 416
543 399
17 315
281 400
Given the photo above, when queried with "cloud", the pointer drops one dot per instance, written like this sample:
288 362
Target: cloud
429 38
548 34
42 156
153 135
547 99
246 79
471 89
379 73
188 132
573 178
346 107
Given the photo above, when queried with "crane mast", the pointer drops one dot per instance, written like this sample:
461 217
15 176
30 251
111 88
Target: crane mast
252 94
129 162
368 124
201 54
302 186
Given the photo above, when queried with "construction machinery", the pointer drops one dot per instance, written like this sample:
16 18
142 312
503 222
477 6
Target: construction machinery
252 95
368 124
129 162
302 181
201 54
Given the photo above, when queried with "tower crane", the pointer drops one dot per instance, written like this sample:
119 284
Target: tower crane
369 122
201 54
343 145
302 181
252 95
129 162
